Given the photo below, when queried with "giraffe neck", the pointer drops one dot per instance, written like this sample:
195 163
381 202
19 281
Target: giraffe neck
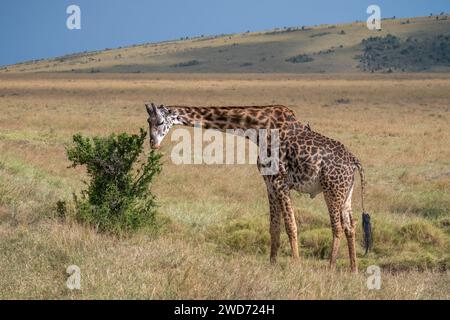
226 118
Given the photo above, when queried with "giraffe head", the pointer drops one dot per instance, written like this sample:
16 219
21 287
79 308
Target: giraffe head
160 120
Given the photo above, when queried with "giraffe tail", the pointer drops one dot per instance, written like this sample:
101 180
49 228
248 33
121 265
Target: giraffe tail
366 224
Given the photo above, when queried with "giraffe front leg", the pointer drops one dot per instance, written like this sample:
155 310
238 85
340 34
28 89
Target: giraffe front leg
274 234
280 204
290 224
274 222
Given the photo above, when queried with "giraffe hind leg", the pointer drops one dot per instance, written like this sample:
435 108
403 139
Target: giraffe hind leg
337 232
334 210
348 224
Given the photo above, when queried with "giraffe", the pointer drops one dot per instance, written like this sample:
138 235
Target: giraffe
309 163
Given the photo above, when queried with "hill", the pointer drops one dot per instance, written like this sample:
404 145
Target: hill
340 48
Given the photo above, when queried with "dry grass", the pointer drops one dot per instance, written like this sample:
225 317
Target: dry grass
214 240
168 268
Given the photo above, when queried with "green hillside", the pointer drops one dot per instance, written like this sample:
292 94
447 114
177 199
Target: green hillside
423 46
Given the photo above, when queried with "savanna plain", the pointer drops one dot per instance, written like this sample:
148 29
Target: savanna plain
213 235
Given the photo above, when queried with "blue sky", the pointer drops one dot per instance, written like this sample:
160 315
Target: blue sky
37 29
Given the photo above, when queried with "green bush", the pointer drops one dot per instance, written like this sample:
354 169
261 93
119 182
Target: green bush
301 58
118 198
320 34
412 54
186 64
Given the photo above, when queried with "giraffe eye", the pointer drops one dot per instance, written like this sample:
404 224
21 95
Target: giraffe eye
160 123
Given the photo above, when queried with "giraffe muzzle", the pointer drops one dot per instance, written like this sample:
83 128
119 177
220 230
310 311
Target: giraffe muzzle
154 146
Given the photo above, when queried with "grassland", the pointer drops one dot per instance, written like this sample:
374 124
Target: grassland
213 240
